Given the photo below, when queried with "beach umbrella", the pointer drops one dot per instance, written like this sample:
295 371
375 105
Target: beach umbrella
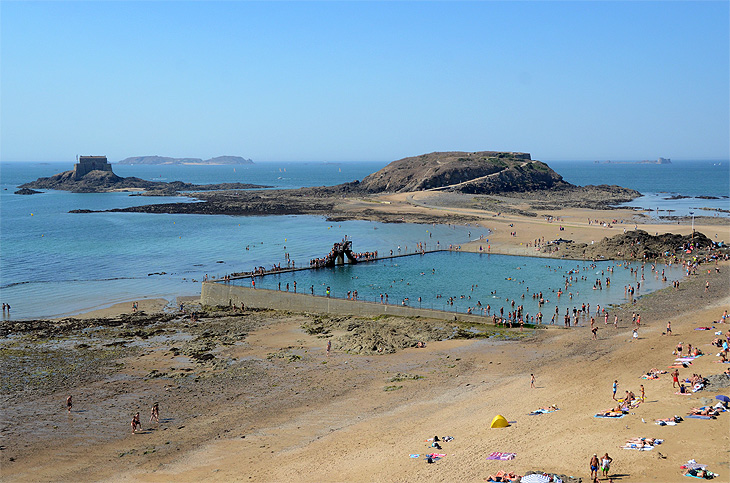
722 398
535 478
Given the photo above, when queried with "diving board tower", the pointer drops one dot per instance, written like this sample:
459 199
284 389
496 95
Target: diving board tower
342 250
87 164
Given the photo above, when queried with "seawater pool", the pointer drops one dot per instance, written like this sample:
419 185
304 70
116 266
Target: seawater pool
470 279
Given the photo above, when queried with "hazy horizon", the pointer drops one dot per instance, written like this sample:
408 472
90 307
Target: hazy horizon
359 81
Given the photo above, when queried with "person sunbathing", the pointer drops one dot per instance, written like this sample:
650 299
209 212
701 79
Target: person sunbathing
504 476
704 411
611 413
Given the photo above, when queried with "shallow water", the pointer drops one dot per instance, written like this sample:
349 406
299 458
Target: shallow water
470 278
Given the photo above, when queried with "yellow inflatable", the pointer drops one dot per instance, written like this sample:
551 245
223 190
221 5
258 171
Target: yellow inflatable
499 422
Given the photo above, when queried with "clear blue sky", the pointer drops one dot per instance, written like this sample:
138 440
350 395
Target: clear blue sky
356 81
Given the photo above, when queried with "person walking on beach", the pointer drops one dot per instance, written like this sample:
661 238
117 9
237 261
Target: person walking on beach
669 327
675 378
532 381
615 387
155 413
594 466
643 394
329 347
69 404
136 422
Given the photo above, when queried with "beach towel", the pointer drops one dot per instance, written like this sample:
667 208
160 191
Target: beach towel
710 475
501 456
683 394
609 417
700 416
542 411
693 465
415 456
636 447
436 455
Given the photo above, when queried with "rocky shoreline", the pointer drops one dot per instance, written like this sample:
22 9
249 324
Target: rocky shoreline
106 181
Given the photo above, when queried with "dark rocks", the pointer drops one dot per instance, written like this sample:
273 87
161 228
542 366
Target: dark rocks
27 191
102 181
638 245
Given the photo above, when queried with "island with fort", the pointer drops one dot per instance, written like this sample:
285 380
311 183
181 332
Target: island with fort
94 174
511 180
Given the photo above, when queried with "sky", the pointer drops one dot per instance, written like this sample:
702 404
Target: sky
364 81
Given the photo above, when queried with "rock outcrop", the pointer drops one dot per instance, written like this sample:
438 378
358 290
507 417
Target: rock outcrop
26 191
483 172
102 181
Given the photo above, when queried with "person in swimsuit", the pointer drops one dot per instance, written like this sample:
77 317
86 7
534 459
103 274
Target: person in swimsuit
675 378
606 464
136 422
594 466
69 404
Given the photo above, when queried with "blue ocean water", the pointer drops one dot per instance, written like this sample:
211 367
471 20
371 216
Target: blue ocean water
54 263
658 182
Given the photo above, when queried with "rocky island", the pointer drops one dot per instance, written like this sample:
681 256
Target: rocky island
164 160
449 178
93 174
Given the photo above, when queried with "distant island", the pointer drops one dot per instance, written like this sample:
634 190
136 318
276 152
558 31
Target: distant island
646 161
162 160
93 174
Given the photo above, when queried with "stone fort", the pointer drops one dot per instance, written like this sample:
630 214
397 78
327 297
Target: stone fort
87 164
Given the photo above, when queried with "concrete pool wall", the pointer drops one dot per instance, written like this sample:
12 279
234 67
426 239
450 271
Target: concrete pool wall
224 294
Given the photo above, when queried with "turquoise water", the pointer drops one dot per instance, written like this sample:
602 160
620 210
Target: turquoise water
53 262
468 278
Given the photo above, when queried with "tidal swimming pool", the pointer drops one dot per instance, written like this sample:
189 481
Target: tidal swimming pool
457 281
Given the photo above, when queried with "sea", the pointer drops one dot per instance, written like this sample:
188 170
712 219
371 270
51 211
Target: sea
54 263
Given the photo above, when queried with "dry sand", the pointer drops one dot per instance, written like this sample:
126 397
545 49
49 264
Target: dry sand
272 407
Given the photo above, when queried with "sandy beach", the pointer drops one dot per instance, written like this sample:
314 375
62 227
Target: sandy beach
253 396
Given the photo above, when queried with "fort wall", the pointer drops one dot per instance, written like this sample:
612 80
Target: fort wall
88 164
